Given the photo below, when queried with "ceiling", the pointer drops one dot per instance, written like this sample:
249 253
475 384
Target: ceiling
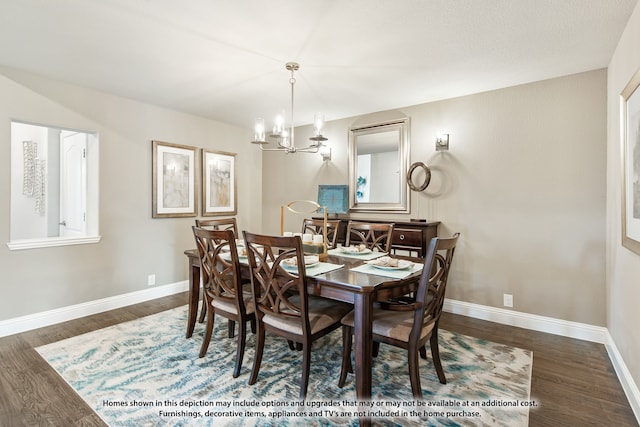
225 60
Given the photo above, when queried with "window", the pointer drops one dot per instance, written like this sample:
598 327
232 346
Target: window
54 186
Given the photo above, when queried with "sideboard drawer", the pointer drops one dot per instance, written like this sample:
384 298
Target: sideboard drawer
407 237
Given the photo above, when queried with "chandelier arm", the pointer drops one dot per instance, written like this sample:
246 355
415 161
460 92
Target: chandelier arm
285 149
311 149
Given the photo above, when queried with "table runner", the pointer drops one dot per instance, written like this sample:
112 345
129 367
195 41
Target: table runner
319 268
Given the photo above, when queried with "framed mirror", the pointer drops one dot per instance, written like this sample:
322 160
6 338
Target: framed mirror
378 162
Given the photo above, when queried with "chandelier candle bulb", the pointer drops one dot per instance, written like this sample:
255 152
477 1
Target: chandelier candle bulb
258 130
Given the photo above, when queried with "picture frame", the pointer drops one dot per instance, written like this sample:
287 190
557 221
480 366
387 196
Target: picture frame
219 183
174 180
334 197
630 100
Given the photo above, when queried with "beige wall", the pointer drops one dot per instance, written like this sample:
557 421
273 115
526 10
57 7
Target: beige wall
623 266
524 182
133 244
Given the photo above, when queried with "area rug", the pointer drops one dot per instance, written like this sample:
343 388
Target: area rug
146 373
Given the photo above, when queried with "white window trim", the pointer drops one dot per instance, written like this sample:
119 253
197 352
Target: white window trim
50 242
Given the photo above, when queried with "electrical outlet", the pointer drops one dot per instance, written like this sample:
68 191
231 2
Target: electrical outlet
151 280
508 300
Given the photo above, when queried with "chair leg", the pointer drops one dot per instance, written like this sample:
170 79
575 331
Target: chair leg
306 368
257 359
346 355
414 373
423 352
294 345
203 310
232 328
253 325
242 335
208 331
375 349
435 355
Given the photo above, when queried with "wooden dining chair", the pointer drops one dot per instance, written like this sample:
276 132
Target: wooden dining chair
315 226
217 224
224 293
374 236
411 324
283 305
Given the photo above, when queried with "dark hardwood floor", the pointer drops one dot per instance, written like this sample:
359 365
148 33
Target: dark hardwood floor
573 381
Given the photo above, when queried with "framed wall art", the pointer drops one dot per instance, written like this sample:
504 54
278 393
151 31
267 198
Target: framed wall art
334 197
174 180
631 165
218 183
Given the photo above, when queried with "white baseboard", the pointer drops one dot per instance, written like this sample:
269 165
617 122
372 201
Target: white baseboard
533 322
50 317
557 327
626 380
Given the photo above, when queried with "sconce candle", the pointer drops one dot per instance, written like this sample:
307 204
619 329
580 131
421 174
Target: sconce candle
318 124
442 142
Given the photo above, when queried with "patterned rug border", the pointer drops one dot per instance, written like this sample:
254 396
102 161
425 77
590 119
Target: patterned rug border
109 369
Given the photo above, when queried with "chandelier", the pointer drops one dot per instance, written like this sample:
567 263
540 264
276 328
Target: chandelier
285 137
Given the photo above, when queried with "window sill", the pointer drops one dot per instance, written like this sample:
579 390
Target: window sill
51 242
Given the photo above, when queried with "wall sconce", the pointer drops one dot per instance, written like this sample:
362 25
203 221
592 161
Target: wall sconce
325 152
442 142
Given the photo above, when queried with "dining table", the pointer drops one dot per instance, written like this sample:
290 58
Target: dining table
354 282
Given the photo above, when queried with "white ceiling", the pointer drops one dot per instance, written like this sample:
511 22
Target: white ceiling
225 59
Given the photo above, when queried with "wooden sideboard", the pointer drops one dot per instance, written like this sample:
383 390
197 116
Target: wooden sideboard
410 236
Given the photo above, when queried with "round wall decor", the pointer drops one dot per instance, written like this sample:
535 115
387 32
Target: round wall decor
427 176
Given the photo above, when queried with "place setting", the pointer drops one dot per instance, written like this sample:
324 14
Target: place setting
389 267
360 252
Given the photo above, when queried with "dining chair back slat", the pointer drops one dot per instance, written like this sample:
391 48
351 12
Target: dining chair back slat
315 226
375 236
219 224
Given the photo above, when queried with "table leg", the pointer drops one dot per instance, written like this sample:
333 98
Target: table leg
363 310
194 295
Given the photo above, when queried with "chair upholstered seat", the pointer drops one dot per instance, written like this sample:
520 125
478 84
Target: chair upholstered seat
229 306
393 324
323 313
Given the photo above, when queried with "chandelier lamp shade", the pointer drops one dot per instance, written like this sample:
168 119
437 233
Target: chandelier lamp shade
283 136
